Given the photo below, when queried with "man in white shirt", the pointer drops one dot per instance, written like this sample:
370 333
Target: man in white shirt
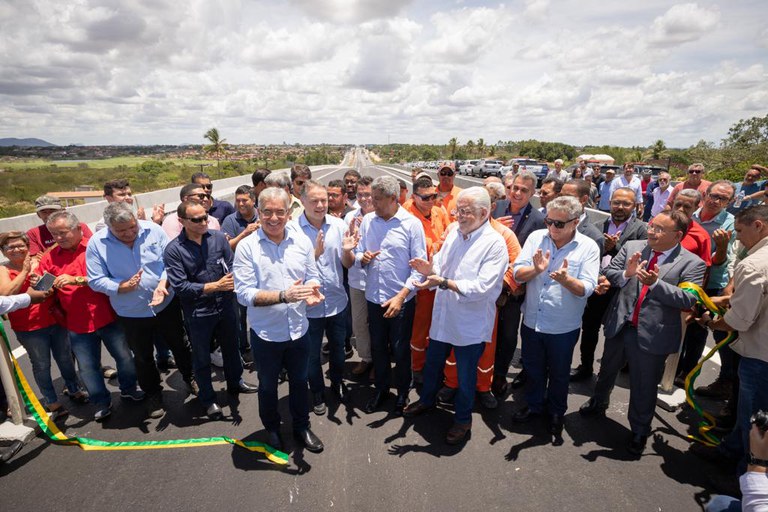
661 194
468 273
628 179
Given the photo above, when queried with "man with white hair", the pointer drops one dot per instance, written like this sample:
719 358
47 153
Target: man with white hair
282 180
560 267
467 271
276 276
695 181
390 238
558 172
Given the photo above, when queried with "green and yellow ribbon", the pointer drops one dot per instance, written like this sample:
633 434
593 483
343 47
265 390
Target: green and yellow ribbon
55 435
709 422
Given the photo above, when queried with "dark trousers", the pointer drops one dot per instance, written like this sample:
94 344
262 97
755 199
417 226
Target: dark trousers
391 335
506 336
547 359
202 330
242 327
645 372
140 335
694 342
467 358
591 322
334 328
293 355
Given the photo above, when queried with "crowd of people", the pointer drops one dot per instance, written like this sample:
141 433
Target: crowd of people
433 290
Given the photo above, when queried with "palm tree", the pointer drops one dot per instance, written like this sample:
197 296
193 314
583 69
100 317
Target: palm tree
452 144
658 149
470 145
481 147
217 145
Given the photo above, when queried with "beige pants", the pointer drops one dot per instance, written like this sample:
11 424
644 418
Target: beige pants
360 323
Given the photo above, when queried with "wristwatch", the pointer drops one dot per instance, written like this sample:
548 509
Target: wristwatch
443 284
81 281
757 462
283 300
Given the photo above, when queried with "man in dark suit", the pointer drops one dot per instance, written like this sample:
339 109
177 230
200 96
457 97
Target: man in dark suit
580 190
622 227
642 323
517 213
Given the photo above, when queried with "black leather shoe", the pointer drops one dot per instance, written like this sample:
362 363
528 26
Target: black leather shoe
243 387
416 408
340 391
637 444
402 401
309 440
581 373
378 399
520 379
524 415
275 440
500 387
593 408
556 423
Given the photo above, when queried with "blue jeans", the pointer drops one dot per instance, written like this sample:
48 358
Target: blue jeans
467 358
753 396
87 350
547 359
720 503
335 329
271 357
391 335
40 344
202 331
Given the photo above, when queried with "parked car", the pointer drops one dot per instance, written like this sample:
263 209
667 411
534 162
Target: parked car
540 169
485 168
466 168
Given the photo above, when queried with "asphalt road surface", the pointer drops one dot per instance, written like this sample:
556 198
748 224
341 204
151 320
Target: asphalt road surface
371 462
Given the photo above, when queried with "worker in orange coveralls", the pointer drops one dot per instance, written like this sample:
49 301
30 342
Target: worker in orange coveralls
447 191
435 222
485 365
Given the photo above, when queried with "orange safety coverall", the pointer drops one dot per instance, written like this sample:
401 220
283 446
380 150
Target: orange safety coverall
485 364
448 202
434 227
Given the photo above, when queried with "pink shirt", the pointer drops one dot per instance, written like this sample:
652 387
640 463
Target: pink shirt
172 225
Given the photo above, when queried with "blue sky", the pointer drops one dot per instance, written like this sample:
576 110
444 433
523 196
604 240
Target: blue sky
369 71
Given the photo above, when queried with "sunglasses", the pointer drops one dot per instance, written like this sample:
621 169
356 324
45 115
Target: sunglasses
209 186
695 171
201 197
426 197
197 220
559 224
446 173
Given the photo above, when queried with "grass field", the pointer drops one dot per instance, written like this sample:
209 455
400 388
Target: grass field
105 163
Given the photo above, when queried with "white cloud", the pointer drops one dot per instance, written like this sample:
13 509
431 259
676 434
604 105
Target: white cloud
683 23
351 11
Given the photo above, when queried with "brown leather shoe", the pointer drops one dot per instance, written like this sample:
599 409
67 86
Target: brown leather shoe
458 433
361 368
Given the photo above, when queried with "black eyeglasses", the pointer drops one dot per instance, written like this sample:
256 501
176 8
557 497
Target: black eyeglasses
197 220
209 186
446 173
200 196
559 224
426 197
695 171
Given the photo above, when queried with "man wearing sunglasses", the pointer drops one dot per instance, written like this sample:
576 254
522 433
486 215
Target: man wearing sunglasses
695 181
199 267
447 192
434 221
560 267
642 322
218 209
196 194
719 224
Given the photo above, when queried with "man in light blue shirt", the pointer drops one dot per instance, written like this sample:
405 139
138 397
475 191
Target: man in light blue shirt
327 234
125 262
469 271
390 238
560 267
277 279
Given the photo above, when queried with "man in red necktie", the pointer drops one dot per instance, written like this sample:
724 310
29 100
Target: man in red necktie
642 323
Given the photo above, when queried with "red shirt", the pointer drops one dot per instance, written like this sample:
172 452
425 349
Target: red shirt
36 316
697 241
702 188
40 238
86 310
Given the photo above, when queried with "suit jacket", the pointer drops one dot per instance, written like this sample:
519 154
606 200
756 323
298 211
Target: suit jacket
531 220
635 230
659 329
588 229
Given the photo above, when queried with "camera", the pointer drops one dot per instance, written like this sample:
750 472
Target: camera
760 418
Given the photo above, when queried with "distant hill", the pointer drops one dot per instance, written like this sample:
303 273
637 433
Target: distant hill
11 141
